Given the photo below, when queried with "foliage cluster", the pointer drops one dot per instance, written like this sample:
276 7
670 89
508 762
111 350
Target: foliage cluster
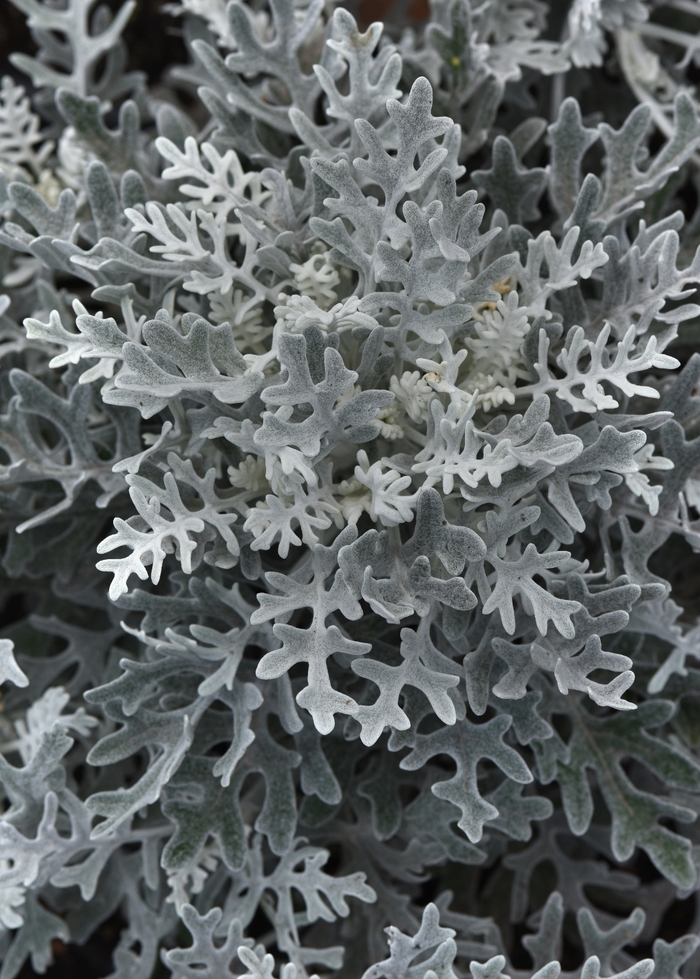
350 492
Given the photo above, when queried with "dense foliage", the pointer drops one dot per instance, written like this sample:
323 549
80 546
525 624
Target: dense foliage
350 490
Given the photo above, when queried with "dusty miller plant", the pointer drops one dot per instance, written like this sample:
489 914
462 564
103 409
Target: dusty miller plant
350 490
